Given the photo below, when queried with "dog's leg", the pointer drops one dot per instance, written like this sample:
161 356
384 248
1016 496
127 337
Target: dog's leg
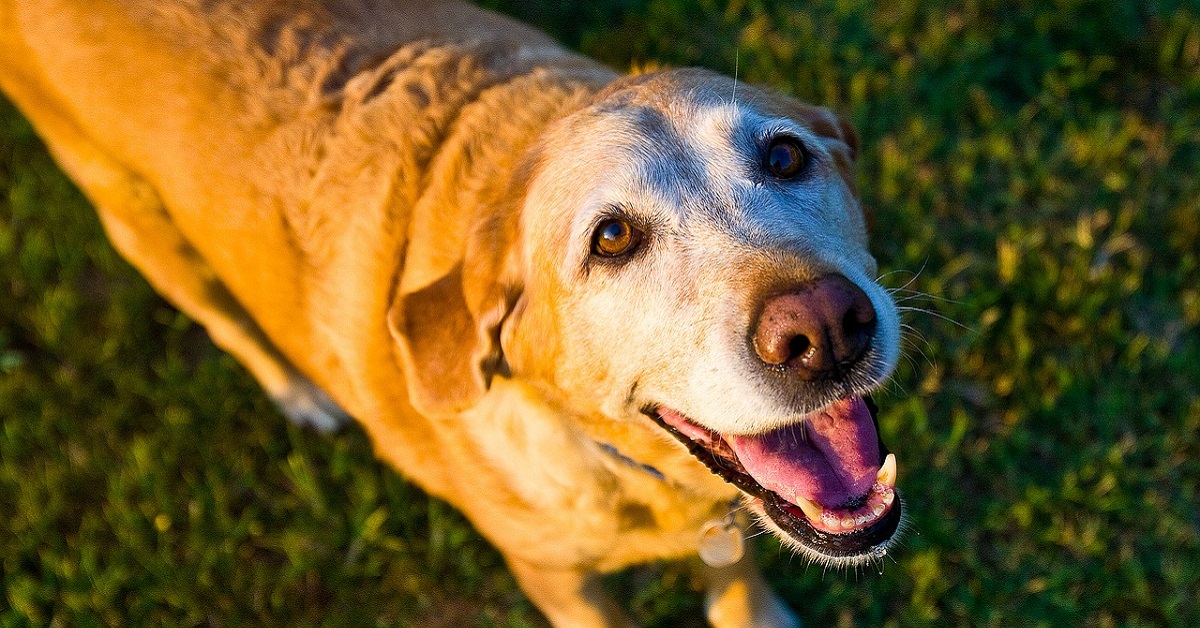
139 227
738 596
143 233
569 597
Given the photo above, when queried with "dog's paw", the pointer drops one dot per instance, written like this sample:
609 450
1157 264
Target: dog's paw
306 405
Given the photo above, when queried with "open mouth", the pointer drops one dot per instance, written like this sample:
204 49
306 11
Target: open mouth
827 482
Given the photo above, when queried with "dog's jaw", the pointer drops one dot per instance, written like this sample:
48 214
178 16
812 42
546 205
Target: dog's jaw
856 528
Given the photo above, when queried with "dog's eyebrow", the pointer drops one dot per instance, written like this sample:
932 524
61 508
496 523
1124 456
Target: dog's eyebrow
650 126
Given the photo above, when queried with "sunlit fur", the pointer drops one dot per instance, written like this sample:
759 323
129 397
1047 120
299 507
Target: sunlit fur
384 209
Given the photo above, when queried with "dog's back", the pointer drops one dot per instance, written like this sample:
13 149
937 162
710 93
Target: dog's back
264 137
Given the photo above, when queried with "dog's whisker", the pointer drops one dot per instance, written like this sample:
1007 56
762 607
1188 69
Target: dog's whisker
897 271
913 334
937 315
904 355
923 355
736 58
759 532
913 331
916 347
915 340
911 295
893 386
915 275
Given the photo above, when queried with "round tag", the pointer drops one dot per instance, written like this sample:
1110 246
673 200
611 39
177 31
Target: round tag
721 543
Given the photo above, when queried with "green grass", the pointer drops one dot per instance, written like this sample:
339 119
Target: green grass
1034 173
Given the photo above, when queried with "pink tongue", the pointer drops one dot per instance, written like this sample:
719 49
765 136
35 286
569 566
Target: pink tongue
832 457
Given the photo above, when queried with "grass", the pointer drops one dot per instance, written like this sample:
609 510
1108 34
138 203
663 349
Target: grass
1034 173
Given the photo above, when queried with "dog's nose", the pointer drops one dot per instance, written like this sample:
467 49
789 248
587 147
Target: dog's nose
818 329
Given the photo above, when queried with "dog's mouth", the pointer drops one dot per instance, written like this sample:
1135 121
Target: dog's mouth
827 483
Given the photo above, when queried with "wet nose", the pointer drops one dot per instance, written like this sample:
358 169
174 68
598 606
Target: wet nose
819 329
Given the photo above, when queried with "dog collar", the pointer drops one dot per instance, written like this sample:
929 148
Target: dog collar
616 453
721 541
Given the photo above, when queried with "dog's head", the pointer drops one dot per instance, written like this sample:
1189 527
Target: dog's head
693 255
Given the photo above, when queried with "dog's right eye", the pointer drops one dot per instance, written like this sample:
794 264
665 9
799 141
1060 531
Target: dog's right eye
615 237
785 158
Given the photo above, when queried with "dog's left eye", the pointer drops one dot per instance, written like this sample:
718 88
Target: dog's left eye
785 157
615 237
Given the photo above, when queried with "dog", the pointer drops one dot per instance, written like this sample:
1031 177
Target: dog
603 315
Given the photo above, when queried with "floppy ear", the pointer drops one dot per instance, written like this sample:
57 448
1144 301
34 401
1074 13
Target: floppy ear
448 310
834 127
448 349
840 137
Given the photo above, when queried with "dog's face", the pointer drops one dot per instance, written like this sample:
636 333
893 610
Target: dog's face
693 255
702 261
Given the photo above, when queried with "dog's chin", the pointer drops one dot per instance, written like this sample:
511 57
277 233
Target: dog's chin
835 523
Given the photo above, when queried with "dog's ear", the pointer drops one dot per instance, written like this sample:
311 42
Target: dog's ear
448 311
840 137
449 348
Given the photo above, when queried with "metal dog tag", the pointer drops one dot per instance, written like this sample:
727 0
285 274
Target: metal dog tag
721 542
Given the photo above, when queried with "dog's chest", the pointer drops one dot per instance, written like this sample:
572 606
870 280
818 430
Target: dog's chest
524 464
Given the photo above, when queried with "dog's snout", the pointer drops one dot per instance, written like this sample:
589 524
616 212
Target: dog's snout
817 329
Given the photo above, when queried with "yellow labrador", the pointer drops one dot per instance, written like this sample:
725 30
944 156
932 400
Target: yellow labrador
592 311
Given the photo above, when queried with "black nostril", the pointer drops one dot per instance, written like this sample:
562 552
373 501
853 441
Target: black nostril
798 347
854 324
858 325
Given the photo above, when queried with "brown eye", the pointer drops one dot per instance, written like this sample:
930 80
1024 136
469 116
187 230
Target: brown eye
615 237
785 158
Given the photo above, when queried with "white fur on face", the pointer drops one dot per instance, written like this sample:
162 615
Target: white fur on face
671 325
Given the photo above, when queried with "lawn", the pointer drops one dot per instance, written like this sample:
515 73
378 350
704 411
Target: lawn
1034 173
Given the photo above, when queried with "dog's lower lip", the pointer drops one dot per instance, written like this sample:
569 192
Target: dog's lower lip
862 543
852 545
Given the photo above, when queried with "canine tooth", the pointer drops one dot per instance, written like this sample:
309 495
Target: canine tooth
811 509
887 472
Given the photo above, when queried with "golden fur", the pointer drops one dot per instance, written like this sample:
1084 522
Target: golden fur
359 200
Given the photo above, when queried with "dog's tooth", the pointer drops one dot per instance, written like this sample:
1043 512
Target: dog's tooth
848 523
888 498
811 509
887 472
877 509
